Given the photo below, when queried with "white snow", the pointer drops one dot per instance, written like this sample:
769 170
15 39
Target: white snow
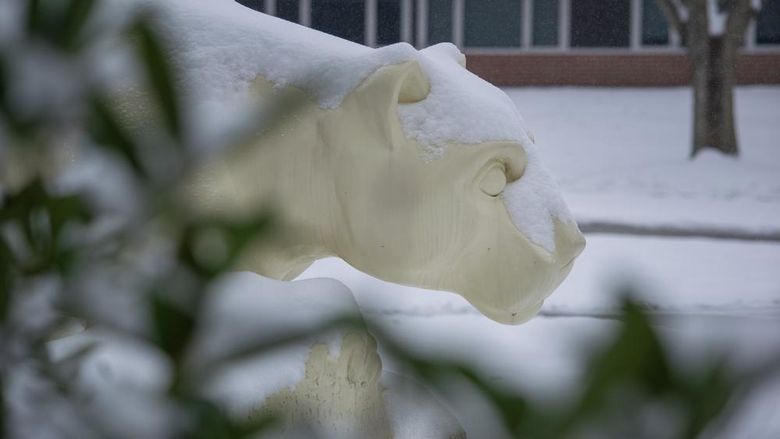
716 18
622 155
120 376
460 108
414 411
534 201
223 46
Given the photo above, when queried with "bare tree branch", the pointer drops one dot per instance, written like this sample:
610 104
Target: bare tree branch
671 11
698 27
740 14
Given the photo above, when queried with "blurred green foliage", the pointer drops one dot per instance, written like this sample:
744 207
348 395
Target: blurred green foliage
45 234
39 239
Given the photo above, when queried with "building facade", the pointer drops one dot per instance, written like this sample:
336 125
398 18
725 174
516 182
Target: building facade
539 42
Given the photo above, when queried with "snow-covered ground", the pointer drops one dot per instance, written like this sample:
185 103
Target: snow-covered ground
621 156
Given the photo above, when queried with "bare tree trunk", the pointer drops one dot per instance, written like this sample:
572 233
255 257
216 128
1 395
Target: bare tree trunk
714 59
713 85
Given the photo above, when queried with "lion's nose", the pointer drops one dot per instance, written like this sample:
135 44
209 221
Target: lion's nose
569 241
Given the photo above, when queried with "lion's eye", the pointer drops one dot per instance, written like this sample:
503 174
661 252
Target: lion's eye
494 181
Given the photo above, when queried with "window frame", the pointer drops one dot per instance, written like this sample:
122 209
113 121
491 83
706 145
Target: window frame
414 29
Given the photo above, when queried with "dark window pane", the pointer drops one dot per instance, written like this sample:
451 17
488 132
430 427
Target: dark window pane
492 23
545 23
654 29
343 18
600 23
257 5
287 9
768 27
415 35
388 26
439 21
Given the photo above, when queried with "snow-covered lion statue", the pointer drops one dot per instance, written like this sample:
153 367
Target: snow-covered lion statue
401 162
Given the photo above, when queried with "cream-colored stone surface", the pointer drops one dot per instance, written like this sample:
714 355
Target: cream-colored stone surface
339 397
343 397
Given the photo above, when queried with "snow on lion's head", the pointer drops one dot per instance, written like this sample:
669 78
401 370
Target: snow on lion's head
399 161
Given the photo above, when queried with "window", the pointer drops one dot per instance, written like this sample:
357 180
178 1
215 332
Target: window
439 21
654 29
257 5
388 26
600 23
545 23
415 37
287 9
492 23
343 18
768 26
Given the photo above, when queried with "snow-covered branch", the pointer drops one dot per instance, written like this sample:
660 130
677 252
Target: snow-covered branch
716 17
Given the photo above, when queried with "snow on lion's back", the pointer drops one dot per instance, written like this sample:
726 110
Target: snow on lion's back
226 46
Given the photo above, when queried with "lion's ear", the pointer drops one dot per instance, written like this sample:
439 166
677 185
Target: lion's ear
446 50
386 88
414 85
403 83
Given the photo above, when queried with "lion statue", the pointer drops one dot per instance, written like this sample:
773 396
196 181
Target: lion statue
401 162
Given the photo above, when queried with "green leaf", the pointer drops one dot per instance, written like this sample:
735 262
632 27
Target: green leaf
513 409
34 16
160 76
108 132
59 23
64 211
253 427
76 15
172 324
211 422
635 360
3 409
14 121
235 237
706 396
42 218
6 278
4 85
